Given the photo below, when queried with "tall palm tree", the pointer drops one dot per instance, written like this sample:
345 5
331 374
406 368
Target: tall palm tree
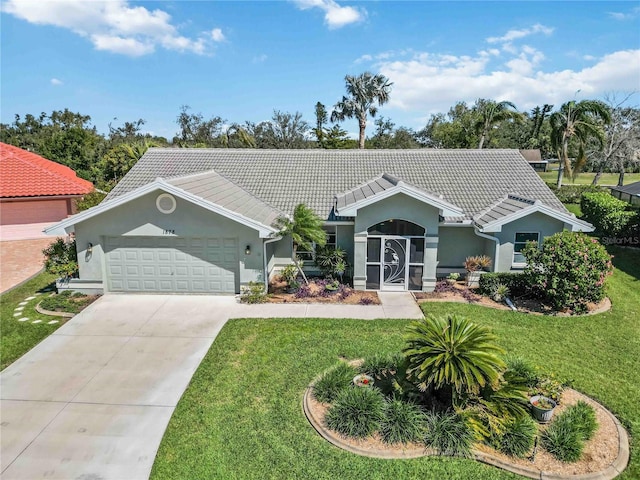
492 113
366 92
580 121
453 353
305 229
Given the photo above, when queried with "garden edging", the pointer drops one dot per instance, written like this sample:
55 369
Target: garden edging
52 313
610 472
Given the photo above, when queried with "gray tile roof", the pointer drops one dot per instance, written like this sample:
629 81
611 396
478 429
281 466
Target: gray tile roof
470 179
215 188
502 208
632 188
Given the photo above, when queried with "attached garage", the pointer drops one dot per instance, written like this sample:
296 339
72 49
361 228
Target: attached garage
34 211
172 264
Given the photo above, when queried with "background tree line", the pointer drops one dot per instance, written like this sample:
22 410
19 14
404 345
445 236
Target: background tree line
588 135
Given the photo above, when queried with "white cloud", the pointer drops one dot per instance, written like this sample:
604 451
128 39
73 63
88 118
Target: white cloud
430 83
56 82
217 35
517 34
335 16
260 58
111 25
633 13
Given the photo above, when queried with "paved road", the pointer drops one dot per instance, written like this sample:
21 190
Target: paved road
92 401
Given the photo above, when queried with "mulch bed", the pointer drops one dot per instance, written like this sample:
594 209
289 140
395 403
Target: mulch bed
523 304
278 294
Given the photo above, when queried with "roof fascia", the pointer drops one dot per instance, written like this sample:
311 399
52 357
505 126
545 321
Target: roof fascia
446 209
576 224
67 225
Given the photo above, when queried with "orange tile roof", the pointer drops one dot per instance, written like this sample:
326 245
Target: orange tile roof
25 174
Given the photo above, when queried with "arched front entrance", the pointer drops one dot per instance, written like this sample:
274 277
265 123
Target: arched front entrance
395 255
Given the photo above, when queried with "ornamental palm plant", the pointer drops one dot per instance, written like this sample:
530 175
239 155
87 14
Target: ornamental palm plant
452 354
579 120
365 91
305 230
490 113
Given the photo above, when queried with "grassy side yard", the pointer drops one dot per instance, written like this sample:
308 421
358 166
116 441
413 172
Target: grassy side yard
17 338
587 177
241 417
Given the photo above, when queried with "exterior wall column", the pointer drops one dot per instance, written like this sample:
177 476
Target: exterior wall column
360 261
430 263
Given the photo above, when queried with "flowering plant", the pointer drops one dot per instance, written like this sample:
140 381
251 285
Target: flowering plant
569 270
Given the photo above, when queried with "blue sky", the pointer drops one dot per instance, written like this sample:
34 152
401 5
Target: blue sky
241 60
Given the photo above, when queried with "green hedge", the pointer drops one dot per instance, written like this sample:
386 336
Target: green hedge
515 282
573 193
608 214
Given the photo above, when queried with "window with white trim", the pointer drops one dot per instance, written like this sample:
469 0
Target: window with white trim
332 242
520 241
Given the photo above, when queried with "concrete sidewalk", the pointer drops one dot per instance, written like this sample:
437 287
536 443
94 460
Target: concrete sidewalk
92 400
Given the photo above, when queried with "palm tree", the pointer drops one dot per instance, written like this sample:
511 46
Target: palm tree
492 113
453 353
581 120
365 91
305 229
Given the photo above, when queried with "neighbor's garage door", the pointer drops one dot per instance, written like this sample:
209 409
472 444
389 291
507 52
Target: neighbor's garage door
171 264
33 211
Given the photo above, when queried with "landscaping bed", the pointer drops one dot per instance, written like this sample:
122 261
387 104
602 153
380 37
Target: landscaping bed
599 453
460 293
66 302
320 291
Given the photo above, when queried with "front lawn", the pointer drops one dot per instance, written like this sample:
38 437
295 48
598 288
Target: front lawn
586 178
17 338
241 416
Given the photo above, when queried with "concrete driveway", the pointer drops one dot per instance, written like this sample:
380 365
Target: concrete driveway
93 400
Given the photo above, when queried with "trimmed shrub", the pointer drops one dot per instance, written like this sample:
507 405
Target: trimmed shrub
403 422
61 258
607 214
333 381
515 282
253 292
569 271
356 412
518 437
448 434
563 442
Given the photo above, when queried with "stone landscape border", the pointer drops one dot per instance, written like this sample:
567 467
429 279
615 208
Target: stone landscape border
42 311
611 471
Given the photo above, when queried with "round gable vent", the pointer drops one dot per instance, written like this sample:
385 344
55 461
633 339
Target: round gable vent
166 203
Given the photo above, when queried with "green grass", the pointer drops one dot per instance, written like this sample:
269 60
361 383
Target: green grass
586 178
17 338
574 208
241 417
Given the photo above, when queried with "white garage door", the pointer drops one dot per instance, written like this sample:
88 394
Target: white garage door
171 264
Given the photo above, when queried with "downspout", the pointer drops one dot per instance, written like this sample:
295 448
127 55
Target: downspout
264 256
489 237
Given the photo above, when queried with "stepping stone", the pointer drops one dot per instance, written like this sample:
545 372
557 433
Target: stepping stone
30 298
38 293
23 319
19 309
17 314
52 322
37 321
22 304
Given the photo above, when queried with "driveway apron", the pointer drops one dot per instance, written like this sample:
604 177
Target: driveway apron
92 401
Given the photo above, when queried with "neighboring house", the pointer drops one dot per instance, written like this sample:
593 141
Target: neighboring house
36 190
629 193
202 220
535 160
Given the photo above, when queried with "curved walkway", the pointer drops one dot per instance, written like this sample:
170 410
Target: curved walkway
93 399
